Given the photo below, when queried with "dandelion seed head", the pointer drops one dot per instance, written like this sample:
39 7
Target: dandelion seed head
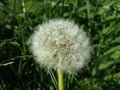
60 44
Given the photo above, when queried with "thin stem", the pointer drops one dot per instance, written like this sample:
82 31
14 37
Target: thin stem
23 5
60 80
88 13
53 78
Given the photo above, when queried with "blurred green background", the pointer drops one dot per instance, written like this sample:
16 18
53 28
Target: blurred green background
99 18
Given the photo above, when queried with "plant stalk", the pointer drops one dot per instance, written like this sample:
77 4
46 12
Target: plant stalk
23 5
60 80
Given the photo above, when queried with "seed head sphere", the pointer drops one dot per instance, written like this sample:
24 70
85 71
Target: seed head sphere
60 44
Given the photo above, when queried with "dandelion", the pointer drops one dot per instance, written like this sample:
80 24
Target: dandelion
61 45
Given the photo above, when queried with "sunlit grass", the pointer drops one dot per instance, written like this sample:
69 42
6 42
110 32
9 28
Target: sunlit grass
100 19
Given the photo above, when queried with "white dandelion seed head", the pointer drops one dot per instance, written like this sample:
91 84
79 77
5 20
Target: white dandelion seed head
60 44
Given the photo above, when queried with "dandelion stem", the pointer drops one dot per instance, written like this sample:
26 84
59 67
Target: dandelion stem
60 80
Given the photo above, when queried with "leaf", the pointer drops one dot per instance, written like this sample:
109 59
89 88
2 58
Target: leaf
116 55
33 6
94 70
106 64
107 30
117 76
112 50
107 77
5 64
117 40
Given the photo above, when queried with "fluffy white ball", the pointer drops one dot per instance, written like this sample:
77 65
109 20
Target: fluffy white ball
60 44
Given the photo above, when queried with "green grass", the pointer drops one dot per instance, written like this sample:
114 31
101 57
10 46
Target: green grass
100 19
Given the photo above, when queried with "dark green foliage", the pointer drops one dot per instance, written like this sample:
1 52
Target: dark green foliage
100 19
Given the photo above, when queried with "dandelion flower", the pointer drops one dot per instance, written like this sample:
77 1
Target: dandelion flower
60 44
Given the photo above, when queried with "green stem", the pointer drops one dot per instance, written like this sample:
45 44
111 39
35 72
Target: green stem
60 80
23 5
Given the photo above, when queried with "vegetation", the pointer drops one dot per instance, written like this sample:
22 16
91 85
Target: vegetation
100 19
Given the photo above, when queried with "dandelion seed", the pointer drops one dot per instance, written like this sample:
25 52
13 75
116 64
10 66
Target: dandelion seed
60 44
